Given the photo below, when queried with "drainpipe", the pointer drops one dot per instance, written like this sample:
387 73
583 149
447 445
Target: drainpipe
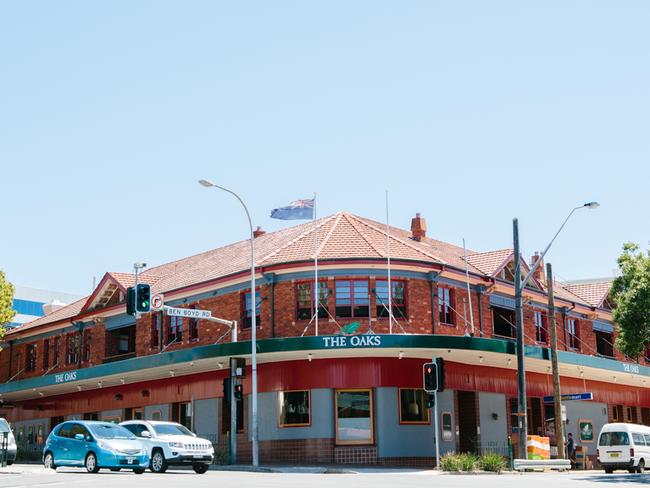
80 327
433 279
480 289
270 280
564 311
11 357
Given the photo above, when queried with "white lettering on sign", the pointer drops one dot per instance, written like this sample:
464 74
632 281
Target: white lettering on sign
352 341
65 377
631 368
188 312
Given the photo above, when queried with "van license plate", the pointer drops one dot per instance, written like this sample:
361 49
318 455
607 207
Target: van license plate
614 454
130 460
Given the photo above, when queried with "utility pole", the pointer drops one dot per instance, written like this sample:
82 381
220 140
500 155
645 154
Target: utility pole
521 368
557 399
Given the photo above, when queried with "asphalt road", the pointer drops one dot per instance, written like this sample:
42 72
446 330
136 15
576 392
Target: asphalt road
36 477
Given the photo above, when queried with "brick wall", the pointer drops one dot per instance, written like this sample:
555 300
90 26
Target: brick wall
421 318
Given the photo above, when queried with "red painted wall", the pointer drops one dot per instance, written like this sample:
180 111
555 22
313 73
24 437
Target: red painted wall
325 373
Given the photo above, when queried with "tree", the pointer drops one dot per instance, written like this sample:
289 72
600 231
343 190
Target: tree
631 295
7 313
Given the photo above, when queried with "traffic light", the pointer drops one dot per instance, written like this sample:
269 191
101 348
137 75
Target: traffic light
130 300
143 297
430 400
239 391
226 390
434 376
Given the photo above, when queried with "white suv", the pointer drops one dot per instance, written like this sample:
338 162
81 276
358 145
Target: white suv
171 444
11 442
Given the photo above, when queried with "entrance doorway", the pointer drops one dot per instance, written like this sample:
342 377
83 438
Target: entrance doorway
467 421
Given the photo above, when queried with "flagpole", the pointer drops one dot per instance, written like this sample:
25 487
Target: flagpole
390 288
469 292
316 290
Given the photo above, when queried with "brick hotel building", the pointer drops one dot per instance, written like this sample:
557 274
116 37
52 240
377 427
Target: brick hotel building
331 397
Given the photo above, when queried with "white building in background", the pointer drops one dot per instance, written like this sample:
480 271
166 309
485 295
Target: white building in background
31 303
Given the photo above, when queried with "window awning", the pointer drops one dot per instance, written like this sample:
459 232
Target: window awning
504 302
119 321
603 327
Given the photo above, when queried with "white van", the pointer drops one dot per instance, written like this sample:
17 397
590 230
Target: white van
624 446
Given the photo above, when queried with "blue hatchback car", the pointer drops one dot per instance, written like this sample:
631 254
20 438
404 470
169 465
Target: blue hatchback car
94 445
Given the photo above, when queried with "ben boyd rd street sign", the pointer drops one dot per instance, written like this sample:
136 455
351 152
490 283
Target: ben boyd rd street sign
188 312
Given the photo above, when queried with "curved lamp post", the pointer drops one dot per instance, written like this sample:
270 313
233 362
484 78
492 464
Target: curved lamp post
520 284
209 184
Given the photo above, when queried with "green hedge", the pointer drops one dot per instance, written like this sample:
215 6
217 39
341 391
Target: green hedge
469 462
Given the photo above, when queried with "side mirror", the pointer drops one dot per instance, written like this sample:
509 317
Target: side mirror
80 437
146 434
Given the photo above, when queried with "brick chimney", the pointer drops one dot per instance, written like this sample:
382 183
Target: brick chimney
258 232
539 274
418 228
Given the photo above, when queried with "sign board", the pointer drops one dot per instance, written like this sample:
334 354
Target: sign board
157 301
571 397
188 312
65 377
563 413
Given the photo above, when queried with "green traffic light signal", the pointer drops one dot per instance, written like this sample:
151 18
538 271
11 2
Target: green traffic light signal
143 297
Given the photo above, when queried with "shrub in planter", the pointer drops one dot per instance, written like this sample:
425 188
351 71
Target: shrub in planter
468 462
492 462
450 462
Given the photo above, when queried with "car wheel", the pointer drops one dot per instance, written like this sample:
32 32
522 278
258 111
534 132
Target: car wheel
158 462
641 467
200 468
609 471
48 462
9 463
91 463
138 470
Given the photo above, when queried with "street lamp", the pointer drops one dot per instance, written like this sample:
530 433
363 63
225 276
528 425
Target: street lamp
209 184
520 284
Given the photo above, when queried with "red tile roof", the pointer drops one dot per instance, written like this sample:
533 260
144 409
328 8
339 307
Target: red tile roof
339 236
592 292
490 262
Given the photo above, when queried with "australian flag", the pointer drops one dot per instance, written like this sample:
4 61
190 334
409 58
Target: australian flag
298 210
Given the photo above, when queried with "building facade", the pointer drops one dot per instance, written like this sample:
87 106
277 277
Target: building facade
342 388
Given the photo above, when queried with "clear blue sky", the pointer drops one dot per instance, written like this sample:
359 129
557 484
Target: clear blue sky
471 113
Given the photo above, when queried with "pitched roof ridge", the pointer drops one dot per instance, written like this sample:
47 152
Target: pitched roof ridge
321 244
319 223
350 218
401 241
494 251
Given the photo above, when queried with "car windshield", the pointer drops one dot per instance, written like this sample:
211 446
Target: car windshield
171 429
4 424
614 439
108 431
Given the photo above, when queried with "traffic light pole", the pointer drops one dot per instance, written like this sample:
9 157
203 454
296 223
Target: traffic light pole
233 416
435 426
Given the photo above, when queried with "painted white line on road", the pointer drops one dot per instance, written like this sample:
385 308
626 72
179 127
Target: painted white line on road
31 485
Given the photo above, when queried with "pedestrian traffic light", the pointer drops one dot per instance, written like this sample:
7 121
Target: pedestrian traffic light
239 391
143 297
130 300
430 400
433 376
